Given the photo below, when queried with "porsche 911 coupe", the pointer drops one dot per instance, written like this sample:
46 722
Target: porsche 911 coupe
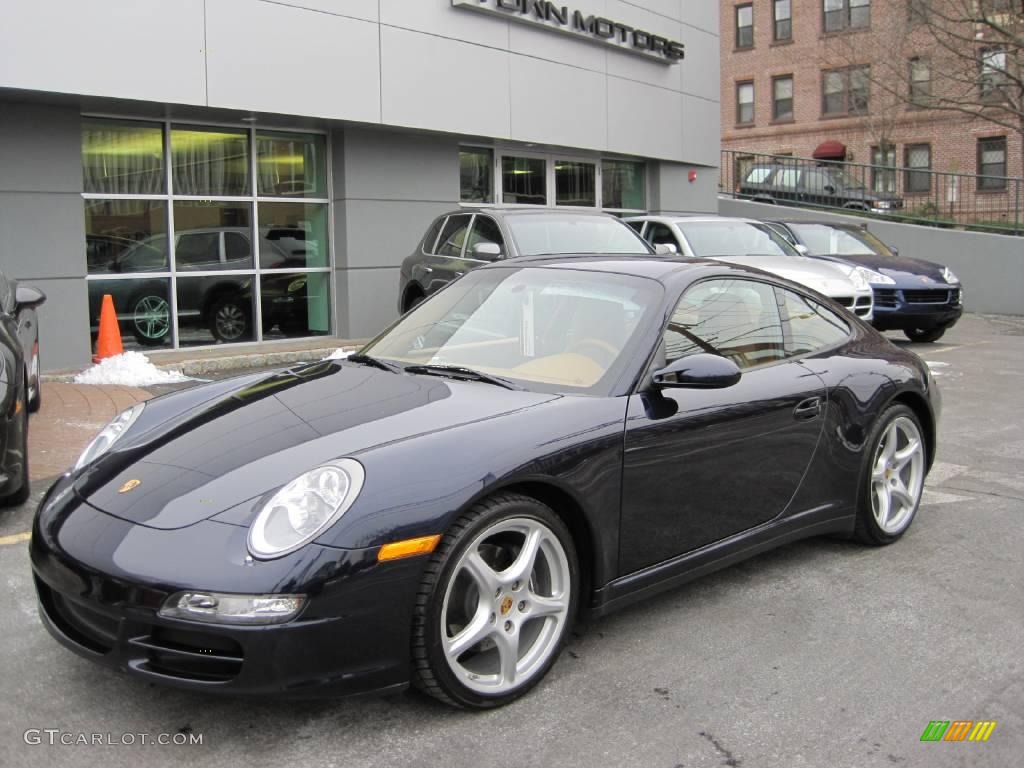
544 438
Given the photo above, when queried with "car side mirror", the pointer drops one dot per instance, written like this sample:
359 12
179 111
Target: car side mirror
803 250
830 189
28 297
665 249
702 371
895 250
487 251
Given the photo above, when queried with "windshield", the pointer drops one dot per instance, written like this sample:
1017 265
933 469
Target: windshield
822 239
734 238
546 329
845 180
568 233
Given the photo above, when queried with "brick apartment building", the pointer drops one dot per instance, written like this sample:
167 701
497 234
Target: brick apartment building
794 76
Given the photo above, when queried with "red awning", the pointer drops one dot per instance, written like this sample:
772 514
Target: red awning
830 150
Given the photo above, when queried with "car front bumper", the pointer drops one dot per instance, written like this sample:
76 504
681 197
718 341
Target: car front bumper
898 308
351 637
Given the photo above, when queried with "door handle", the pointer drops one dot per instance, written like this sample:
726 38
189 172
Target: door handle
807 409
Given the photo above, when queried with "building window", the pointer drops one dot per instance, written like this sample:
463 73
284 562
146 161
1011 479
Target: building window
524 181
920 82
917 158
575 183
745 26
782 13
476 175
994 76
846 91
883 169
623 185
234 248
918 11
992 163
782 98
745 103
847 14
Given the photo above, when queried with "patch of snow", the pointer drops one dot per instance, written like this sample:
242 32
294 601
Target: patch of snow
130 369
340 354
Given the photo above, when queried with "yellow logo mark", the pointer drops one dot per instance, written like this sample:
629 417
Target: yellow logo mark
506 605
131 485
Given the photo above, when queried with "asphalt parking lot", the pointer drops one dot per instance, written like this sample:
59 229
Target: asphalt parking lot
820 654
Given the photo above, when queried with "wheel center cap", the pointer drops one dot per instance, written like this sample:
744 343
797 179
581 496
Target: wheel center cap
506 605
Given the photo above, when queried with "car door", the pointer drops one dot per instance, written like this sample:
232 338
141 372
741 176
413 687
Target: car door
446 263
702 465
817 188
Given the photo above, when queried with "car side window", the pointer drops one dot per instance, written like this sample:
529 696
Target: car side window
817 181
786 178
430 238
758 174
638 226
198 251
485 230
810 326
453 236
659 234
236 246
737 319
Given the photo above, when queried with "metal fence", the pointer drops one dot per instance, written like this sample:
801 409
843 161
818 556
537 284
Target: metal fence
913 195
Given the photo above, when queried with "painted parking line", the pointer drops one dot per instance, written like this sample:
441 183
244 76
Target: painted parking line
15 538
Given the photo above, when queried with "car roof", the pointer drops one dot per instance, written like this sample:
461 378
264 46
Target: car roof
499 211
819 223
694 217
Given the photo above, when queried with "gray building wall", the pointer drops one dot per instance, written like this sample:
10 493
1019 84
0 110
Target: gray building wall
991 267
42 227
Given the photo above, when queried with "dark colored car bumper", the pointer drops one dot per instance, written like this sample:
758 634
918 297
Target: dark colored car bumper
899 308
352 636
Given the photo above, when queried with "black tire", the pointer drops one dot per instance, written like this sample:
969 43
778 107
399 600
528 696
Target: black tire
867 530
412 299
230 319
21 495
924 335
151 319
431 672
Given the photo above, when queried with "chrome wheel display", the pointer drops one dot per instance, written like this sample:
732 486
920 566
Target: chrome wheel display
506 606
897 475
152 317
230 321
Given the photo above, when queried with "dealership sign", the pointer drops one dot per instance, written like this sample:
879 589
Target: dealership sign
568 21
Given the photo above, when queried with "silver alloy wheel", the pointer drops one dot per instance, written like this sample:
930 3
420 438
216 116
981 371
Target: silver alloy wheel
230 320
152 317
33 375
897 475
506 606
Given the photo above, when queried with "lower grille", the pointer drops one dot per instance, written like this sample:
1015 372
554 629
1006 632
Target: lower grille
190 655
846 301
886 297
926 297
90 629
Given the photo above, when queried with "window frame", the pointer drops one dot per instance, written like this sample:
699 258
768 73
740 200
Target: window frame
846 75
992 80
740 46
883 172
997 182
910 187
740 85
791 115
168 197
493 191
922 99
845 15
776 21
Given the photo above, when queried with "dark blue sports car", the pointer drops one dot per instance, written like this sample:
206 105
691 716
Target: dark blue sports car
544 437
918 297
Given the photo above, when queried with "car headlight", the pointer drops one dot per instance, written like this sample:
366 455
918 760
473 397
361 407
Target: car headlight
220 608
109 435
883 204
949 276
304 508
863 277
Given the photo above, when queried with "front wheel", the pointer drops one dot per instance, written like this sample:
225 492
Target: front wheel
229 319
924 335
151 319
893 479
497 601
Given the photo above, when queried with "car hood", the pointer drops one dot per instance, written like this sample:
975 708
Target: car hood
823 276
194 458
895 266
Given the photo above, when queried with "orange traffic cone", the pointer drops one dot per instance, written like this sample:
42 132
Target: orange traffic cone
108 343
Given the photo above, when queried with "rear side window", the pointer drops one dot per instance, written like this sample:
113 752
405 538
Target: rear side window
785 178
812 327
485 230
759 175
431 237
659 234
636 225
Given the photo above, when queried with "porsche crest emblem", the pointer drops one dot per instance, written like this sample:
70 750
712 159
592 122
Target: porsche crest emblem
131 485
506 605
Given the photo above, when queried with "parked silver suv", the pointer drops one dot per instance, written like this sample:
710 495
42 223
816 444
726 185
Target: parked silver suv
461 240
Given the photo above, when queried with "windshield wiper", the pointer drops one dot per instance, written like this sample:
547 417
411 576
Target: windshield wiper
375 362
459 372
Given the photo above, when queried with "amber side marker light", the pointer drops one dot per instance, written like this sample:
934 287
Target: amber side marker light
408 548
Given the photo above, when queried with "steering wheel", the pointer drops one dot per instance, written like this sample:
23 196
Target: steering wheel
606 353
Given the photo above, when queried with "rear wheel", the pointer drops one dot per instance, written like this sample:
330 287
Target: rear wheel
413 298
229 319
151 319
924 335
20 496
496 604
35 392
893 479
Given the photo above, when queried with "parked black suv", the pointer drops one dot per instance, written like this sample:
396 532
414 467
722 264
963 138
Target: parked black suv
822 186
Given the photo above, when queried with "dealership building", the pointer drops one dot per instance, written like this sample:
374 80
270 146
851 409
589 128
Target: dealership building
249 171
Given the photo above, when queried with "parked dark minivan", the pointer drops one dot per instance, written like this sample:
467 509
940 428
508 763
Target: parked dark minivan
823 186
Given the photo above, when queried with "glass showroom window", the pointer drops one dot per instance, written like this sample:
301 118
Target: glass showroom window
623 185
476 170
524 181
190 251
575 183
